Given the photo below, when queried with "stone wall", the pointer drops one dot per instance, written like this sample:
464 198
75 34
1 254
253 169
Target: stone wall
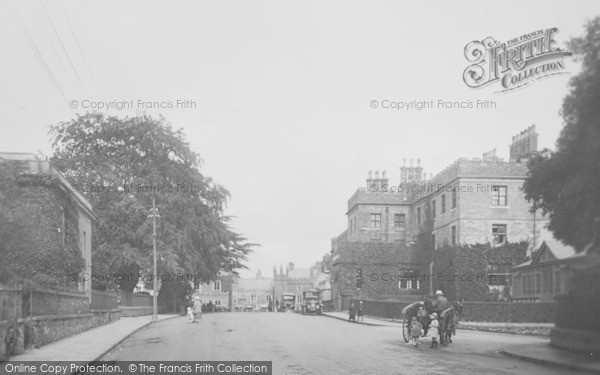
504 312
127 311
472 311
42 330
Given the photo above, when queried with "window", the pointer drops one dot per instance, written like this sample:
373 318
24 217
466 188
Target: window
557 286
217 285
433 208
499 195
418 215
453 229
376 220
359 279
64 225
443 204
409 280
498 274
454 197
84 247
547 280
408 284
498 234
400 220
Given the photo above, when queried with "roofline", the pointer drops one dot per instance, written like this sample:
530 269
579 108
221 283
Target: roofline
83 203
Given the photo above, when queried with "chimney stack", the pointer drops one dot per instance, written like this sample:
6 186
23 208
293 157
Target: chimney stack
411 174
524 144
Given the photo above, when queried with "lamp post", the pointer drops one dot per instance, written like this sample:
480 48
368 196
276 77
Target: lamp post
154 214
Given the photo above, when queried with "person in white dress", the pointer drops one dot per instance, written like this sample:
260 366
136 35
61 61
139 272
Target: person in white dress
433 330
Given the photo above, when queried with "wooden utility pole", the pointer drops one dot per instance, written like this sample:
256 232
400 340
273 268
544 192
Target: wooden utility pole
154 215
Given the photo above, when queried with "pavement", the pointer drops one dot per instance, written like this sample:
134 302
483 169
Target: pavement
548 355
366 320
91 344
537 352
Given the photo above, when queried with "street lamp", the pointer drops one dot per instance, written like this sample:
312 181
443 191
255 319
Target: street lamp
154 214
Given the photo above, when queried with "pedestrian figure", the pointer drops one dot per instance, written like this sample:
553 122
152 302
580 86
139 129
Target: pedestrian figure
190 314
352 313
361 312
416 331
197 309
433 330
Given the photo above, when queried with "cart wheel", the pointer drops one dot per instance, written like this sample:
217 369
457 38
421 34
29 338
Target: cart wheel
405 329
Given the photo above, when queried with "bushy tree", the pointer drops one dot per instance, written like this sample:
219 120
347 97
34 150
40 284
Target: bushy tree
566 183
120 165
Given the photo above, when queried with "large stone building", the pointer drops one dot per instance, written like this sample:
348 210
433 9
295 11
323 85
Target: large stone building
472 201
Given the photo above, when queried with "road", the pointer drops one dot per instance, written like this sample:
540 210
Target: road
300 344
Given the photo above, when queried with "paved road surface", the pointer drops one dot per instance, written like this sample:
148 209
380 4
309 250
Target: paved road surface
300 344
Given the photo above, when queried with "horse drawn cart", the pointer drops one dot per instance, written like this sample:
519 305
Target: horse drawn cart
448 319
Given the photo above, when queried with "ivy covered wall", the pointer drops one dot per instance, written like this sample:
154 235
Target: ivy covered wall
40 245
462 271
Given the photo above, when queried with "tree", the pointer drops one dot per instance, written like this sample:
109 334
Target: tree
120 165
566 183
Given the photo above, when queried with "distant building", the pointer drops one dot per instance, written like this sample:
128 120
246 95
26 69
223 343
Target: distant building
253 294
546 274
294 280
219 291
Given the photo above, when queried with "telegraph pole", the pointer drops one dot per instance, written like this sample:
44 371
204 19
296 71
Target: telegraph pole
154 215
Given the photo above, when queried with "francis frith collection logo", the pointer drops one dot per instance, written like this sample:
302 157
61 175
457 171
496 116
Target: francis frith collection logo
514 63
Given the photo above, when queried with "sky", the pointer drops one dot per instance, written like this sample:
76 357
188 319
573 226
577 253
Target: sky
282 92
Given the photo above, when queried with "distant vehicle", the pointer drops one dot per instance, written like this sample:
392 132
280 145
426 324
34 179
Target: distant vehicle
311 302
288 300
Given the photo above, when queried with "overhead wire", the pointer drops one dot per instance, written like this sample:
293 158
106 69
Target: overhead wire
23 29
49 40
79 47
65 51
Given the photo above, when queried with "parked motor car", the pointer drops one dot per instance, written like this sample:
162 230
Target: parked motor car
311 303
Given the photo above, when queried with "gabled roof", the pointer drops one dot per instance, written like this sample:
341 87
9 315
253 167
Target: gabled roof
299 273
550 249
255 284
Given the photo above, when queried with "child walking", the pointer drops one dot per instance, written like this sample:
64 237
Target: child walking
433 330
416 330
190 314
